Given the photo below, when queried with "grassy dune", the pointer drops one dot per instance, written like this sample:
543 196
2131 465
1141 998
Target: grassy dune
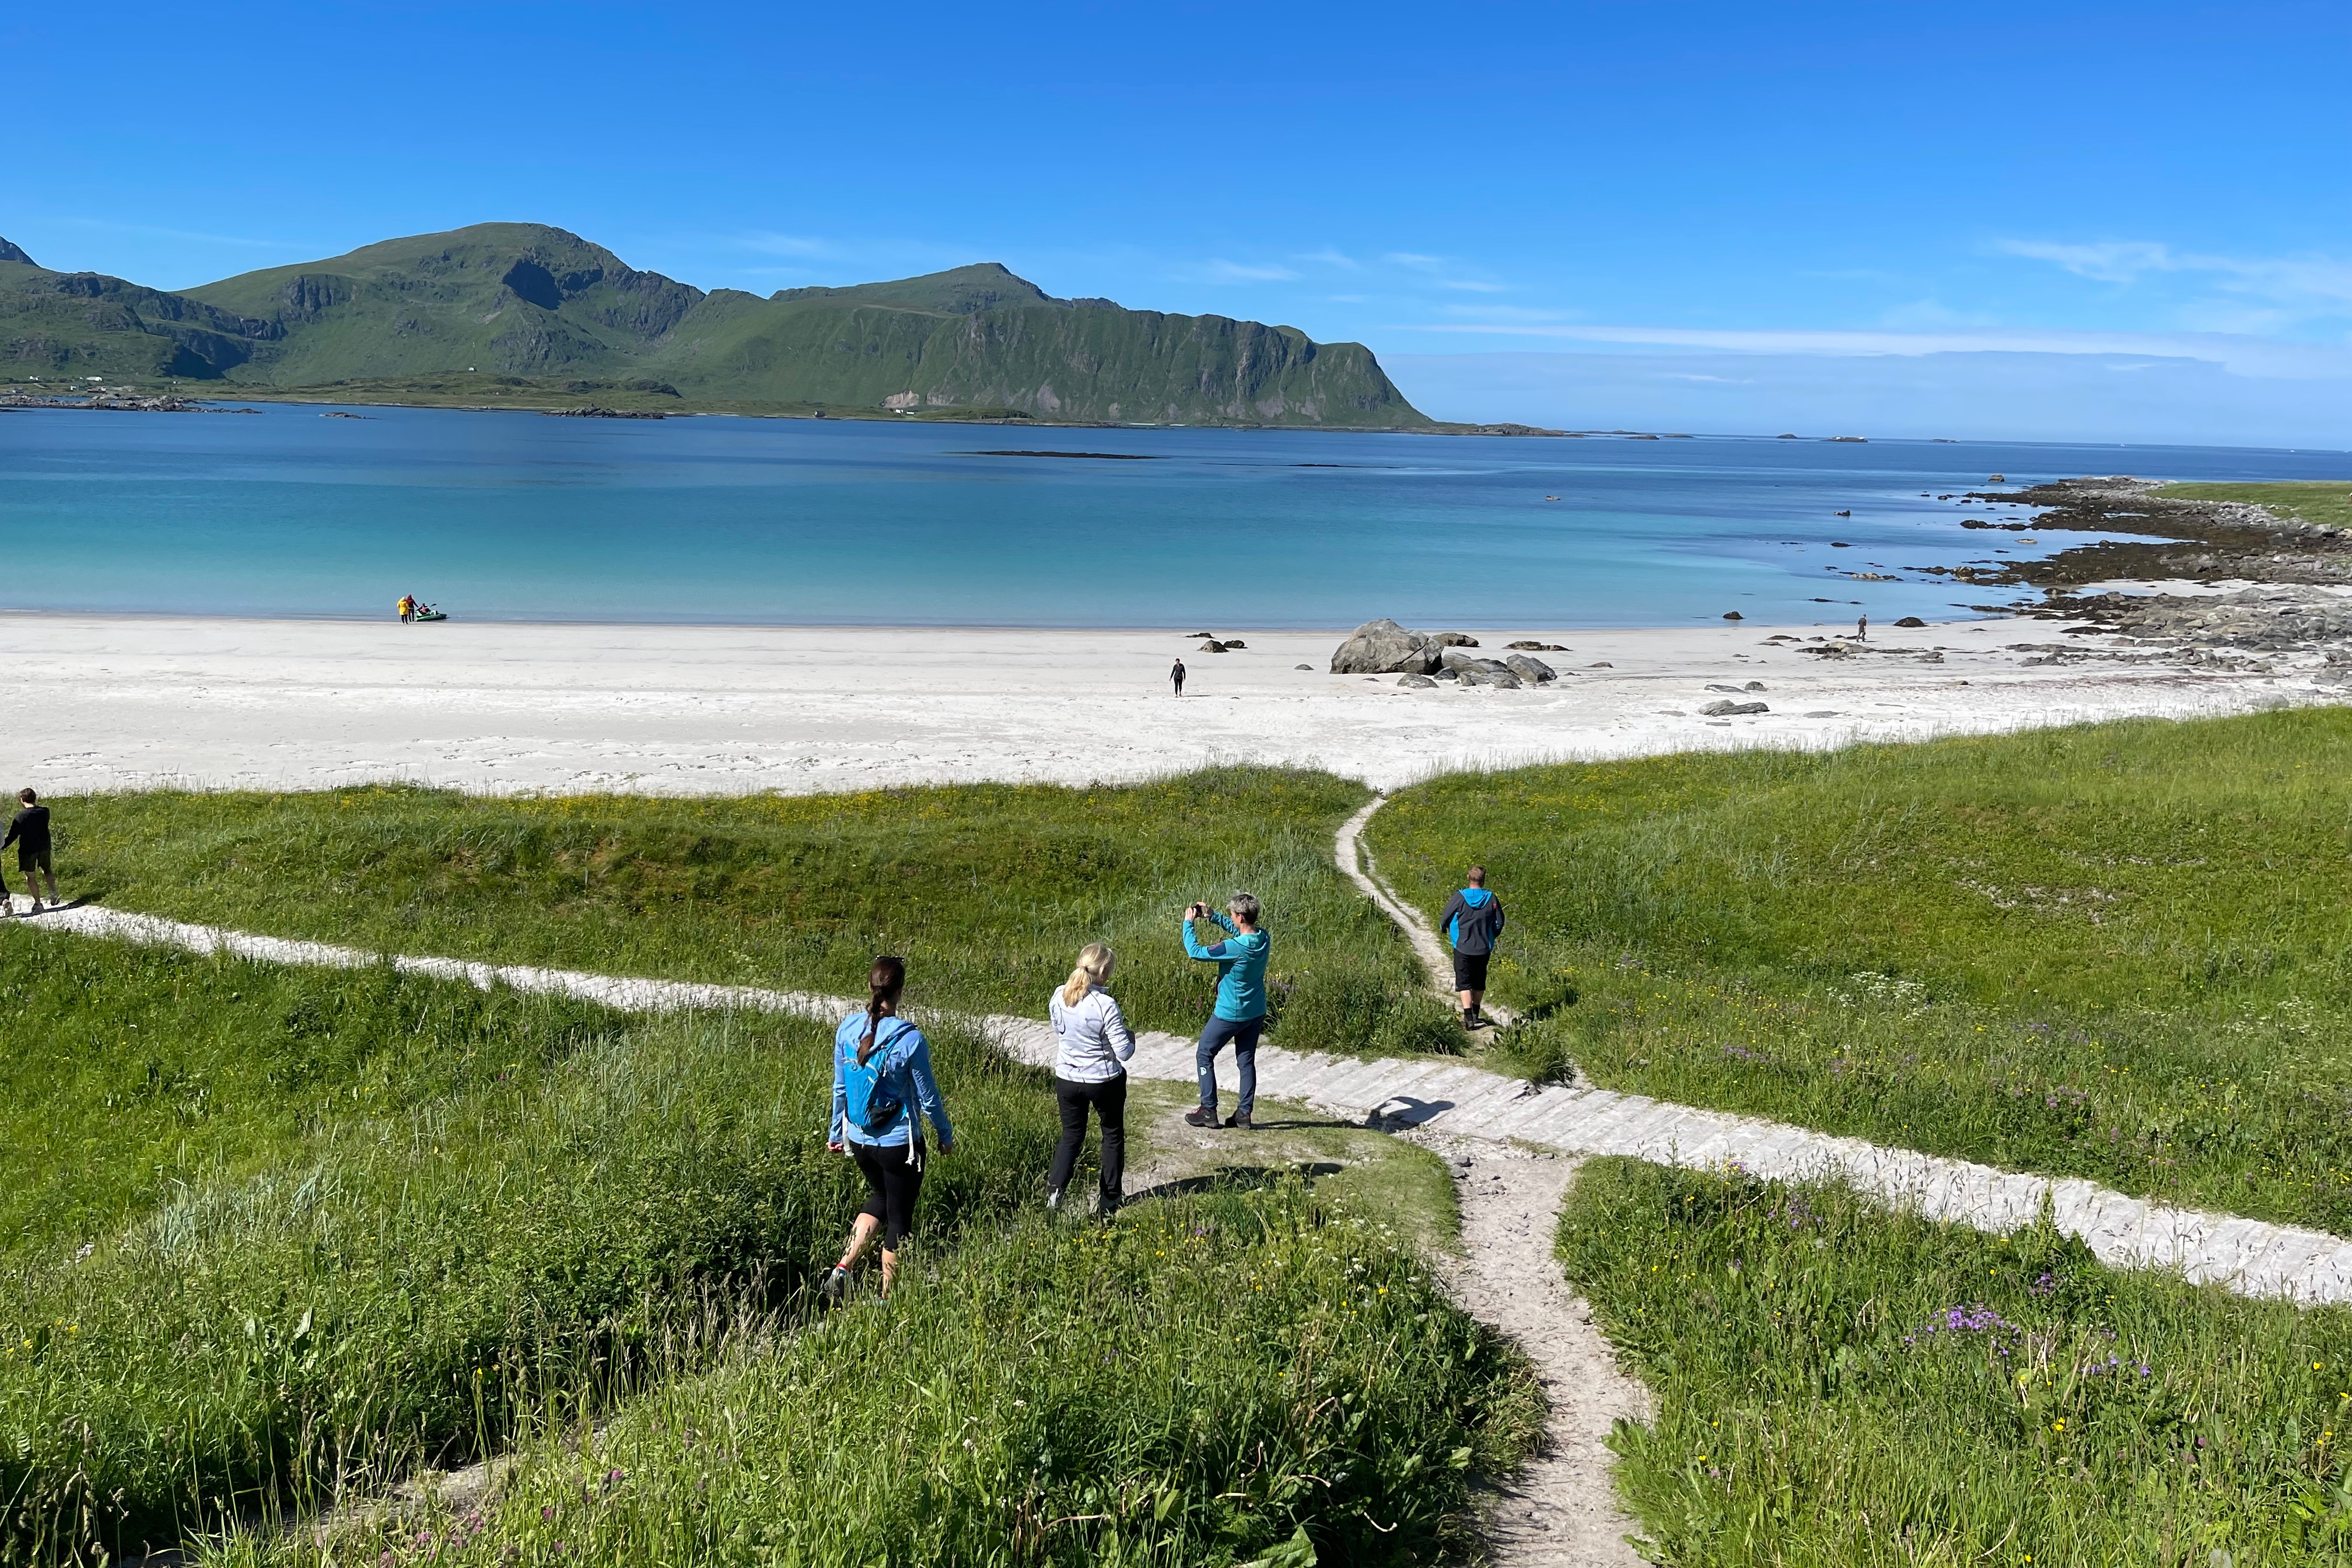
2327 501
131 1074
1836 1386
989 891
1240 1376
2121 952
415 1271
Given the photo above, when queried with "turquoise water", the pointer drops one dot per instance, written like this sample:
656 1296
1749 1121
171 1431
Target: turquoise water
522 517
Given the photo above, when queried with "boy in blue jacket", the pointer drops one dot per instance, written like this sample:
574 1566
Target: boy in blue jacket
1240 1013
1472 921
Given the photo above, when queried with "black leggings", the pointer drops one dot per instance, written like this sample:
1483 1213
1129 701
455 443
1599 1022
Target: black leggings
892 1185
1110 1101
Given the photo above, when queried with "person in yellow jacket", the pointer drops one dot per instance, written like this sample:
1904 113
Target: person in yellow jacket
407 609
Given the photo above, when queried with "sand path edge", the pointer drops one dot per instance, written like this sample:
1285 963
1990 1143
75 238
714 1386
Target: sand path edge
1444 1095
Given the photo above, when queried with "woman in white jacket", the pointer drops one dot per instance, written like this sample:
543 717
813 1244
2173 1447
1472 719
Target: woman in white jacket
1089 1069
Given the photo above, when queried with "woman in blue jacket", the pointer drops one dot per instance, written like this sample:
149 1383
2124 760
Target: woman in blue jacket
1239 1017
881 1060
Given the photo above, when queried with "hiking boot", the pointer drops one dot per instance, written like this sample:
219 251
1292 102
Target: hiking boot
1201 1118
836 1288
1239 1122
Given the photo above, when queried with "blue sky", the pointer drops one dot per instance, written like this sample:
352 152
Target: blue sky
1796 192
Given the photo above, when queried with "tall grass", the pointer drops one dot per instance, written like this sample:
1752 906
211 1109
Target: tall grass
989 890
2121 950
1838 1385
1234 1377
127 1076
410 1282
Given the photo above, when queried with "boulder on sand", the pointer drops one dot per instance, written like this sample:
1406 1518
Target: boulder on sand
1724 707
1910 621
1455 639
1384 647
1417 680
1534 671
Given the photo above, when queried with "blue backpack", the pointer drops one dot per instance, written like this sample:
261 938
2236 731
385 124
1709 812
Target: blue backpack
869 1096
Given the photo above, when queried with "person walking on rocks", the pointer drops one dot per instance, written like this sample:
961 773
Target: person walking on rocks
1239 1018
1176 677
29 830
882 1088
1472 921
1092 1045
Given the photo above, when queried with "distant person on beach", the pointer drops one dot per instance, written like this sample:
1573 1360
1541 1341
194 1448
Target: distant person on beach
1092 1045
1472 921
29 830
407 609
1176 677
882 1088
1239 1018
1862 629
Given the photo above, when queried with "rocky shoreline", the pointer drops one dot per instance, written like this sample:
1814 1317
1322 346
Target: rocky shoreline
2256 591
119 402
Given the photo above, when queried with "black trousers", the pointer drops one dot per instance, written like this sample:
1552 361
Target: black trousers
1109 1103
893 1187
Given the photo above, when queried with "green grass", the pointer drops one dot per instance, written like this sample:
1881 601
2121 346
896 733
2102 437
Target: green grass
2327 501
130 1075
2121 952
1347 1166
1816 1402
415 1272
988 891
1237 1376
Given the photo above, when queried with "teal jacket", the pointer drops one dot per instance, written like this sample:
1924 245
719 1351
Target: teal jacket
1241 969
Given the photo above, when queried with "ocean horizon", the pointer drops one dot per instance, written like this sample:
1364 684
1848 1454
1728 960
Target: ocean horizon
514 516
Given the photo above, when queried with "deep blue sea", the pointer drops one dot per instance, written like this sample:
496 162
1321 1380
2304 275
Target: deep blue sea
514 516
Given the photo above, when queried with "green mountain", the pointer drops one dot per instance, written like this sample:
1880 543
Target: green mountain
61 325
522 300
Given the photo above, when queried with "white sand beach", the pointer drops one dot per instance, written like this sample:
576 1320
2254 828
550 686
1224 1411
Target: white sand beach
100 703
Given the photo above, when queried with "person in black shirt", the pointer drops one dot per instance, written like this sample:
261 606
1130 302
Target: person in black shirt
1176 677
29 830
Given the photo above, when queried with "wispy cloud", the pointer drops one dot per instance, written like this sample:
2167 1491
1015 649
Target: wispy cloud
1239 272
1507 313
2303 280
1416 261
768 244
1473 286
1330 257
2239 354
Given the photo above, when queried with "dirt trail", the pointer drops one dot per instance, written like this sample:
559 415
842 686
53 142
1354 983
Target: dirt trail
1562 1510
1356 863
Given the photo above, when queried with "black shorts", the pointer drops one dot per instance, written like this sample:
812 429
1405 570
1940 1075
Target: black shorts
29 859
1470 971
892 1185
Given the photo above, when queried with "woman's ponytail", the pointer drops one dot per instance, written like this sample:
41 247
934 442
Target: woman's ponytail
1095 962
884 982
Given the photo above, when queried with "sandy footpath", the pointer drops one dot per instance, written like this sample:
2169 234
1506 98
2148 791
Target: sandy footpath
100 703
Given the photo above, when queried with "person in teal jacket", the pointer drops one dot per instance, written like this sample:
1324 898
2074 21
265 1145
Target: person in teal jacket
1239 1018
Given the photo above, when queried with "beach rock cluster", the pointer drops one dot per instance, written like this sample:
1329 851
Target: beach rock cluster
1384 647
2278 619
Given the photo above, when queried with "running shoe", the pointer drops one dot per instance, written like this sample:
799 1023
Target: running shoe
1201 1118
